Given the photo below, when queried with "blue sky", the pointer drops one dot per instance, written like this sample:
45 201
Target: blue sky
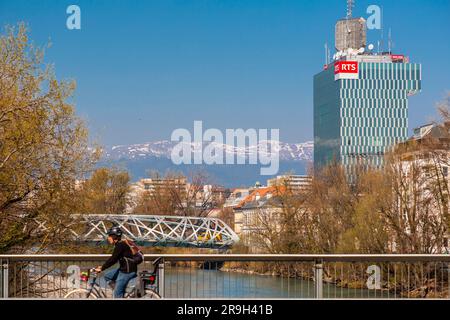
145 68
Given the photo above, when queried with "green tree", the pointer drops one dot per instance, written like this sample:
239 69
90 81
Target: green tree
106 192
43 146
368 232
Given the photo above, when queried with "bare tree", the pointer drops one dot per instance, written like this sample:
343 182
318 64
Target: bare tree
175 194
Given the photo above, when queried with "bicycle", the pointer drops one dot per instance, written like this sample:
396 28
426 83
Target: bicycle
145 286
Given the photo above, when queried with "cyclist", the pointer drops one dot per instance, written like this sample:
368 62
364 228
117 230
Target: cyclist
127 268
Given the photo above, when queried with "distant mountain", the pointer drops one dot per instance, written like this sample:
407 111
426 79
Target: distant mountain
163 149
140 159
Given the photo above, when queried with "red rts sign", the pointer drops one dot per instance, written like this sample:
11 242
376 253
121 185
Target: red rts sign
345 70
346 67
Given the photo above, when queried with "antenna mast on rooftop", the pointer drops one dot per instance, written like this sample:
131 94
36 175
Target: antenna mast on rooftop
350 5
327 54
381 42
390 41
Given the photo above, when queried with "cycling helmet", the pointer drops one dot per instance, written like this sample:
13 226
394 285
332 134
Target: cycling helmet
115 231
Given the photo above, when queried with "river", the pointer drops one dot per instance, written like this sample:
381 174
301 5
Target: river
200 283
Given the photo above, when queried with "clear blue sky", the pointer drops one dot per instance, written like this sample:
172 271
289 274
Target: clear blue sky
145 68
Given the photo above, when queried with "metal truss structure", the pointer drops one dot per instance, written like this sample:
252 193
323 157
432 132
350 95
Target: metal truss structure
153 230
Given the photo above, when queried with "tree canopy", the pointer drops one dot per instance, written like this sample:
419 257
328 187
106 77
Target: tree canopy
44 146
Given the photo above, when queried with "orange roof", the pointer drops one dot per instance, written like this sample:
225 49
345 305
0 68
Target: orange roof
262 192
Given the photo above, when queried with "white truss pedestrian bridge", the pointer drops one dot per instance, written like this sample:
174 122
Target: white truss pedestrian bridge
155 230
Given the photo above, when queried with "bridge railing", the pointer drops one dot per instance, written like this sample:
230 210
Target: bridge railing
244 276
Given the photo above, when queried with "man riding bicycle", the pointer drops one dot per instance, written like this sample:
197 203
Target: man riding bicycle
127 267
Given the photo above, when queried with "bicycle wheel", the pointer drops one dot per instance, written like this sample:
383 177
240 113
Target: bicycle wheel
150 294
80 294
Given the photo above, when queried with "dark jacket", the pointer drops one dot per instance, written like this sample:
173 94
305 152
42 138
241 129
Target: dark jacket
122 254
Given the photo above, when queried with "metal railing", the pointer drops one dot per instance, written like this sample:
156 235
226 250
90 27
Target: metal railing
244 276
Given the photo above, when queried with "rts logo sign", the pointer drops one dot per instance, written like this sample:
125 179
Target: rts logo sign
346 70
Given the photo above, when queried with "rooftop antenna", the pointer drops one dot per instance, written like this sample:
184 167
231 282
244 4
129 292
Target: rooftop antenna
350 5
390 43
382 33
327 54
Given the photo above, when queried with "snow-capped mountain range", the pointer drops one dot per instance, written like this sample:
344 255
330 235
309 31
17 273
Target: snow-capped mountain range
163 149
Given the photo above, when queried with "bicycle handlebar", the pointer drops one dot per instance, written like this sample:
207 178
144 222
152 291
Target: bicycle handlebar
93 272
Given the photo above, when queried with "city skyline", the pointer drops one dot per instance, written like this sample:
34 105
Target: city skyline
145 70
227 150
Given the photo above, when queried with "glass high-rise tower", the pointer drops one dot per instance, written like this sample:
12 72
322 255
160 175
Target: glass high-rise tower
361 107
361 99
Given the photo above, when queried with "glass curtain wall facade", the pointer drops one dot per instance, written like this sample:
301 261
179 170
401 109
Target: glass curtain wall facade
356 120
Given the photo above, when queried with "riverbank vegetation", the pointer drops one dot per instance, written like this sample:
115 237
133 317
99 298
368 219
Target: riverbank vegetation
402 208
